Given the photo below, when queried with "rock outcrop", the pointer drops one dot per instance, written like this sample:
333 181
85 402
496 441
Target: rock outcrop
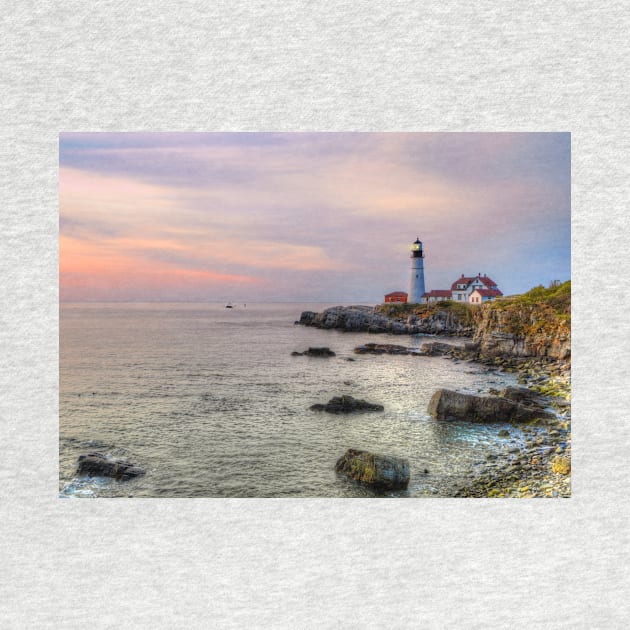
371 319
346 404
315 352
98 465
437 348
521 330
446 404
536 324
384 348
377 471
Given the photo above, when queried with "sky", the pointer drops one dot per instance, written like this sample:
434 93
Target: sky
308 217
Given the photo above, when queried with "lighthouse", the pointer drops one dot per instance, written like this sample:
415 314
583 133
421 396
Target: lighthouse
416 287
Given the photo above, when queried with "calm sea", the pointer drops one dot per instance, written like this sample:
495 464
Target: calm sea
211 403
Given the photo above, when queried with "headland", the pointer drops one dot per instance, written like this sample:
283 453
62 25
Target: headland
529 334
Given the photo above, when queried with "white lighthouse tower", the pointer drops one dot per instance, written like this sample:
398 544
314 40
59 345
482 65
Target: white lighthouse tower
416 288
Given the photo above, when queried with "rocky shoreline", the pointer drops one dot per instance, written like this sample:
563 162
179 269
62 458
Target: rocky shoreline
540 465
536 458
370 319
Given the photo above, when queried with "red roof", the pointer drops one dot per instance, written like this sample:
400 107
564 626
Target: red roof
467 280
395 293
489 292
463 280
437 293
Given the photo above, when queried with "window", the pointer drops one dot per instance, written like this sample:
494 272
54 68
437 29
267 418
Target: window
459 296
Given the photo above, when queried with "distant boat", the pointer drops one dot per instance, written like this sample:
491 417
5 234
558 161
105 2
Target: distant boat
228 306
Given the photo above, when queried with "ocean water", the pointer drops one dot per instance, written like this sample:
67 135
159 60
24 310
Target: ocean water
210 402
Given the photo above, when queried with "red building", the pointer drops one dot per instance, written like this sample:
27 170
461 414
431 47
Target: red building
396 296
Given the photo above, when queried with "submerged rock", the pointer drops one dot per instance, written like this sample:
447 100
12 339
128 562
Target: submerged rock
319 352
446 404
378 471
383 348
346 404
98 465
437 348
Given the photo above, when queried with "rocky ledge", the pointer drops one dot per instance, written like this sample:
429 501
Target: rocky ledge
377 471
370 319
384 348
346 404
99 465
314 352
536 324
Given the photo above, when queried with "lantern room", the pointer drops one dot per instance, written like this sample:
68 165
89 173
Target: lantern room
416 249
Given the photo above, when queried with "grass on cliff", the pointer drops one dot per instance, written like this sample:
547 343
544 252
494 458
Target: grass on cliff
540 311
552 306
556 296
423 311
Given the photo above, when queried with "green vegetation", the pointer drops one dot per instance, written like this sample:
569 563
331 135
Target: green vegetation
460 310
364 469
556 296
561 465
542 313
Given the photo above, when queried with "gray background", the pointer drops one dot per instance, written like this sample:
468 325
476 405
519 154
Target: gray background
534 66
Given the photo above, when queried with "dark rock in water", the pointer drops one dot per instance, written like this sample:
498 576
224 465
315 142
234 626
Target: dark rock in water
350 359
524 396
346 404
383 348
319 352
446 405
98 465
437 348
378 471
504 433
295 353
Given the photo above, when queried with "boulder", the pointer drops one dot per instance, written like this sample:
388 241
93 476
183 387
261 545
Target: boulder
377 471
446 404
98 465
346 404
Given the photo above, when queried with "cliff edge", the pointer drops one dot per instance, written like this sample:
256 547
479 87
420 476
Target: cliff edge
534 324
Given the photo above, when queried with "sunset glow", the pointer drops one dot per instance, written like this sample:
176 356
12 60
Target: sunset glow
307 216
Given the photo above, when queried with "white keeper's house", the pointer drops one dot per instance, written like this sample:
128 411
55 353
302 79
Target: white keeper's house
472 289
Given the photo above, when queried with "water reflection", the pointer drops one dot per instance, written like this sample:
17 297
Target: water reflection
213 404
